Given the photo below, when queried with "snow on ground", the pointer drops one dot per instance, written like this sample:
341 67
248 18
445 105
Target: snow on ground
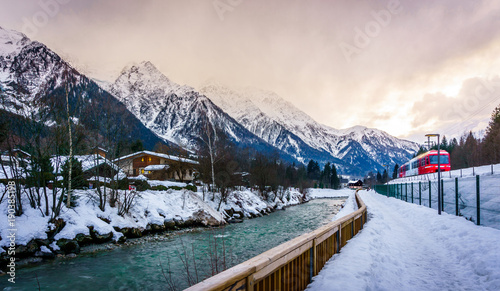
150 207
467 199
166 183
405 246
250 202
329 193
348 206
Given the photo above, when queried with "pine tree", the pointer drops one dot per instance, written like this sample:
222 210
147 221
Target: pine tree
492 139
335 181
444 144
326 175
395 171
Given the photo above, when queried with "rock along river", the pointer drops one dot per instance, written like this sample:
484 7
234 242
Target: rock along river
165 261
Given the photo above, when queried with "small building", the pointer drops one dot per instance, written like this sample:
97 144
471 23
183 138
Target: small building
94 166
355 184
158 166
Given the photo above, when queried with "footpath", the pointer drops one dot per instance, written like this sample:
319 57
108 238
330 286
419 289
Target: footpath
405 246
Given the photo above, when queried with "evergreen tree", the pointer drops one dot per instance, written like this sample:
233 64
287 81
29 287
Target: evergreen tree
379 177
444 144
326 175
395 171
492 139
137 146
452 145
313 170
334 179
77 178
385 177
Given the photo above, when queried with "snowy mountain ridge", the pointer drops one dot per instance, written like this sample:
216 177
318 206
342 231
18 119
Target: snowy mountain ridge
174 112
256 109
34 82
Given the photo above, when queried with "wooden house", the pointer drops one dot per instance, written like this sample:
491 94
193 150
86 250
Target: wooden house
158 166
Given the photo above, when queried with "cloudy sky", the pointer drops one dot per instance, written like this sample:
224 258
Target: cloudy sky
406 67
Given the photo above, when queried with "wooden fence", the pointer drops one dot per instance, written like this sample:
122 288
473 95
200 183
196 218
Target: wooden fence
291 265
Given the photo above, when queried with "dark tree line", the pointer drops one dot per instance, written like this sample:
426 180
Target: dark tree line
224 166
471 151
326 178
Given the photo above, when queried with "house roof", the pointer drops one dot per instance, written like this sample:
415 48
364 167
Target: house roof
156 167
165 156
88 162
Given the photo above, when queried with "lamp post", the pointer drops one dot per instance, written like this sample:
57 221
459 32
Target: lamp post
439 170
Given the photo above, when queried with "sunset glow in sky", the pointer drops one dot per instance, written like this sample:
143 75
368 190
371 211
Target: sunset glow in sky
406 67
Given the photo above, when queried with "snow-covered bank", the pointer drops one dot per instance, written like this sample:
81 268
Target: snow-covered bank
152 212
248 203
404 246
329 193
348 206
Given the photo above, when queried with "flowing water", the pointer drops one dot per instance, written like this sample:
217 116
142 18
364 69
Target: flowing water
158 264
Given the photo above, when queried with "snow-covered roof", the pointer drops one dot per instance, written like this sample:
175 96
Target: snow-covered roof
88 162
156 167
165 156
140 177
353 181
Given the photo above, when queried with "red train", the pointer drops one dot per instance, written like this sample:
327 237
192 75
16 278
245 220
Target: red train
425 163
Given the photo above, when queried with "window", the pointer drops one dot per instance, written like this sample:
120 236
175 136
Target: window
443 160
149 160
142 160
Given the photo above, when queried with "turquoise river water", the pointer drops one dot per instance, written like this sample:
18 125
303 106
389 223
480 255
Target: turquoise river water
164 262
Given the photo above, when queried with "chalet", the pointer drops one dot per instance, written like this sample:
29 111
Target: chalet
157 166
92 165
355 184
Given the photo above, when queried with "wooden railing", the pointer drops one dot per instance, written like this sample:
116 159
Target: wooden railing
291 265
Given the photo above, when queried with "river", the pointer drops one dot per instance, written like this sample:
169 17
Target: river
139 266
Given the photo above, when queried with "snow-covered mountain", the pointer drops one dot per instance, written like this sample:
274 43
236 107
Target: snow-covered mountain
33 84
174 112
154 108
267 115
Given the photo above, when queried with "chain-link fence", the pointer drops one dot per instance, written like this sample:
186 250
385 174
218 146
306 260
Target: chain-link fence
476 198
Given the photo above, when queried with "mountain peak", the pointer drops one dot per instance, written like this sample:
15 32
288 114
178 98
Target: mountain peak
11 42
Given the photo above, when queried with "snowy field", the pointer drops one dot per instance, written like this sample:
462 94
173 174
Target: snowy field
405 246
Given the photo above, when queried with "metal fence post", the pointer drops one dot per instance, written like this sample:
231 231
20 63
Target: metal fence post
411 192
478 201
456 196
419 192
442 194
430 197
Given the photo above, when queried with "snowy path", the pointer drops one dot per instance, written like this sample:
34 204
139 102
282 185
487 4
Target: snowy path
409 247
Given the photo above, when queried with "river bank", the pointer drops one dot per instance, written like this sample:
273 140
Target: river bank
138 264
39 239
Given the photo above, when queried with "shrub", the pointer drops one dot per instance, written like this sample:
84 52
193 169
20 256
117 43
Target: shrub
192 188
142 185
159 188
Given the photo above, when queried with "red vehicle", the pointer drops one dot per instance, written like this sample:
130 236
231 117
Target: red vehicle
425 163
